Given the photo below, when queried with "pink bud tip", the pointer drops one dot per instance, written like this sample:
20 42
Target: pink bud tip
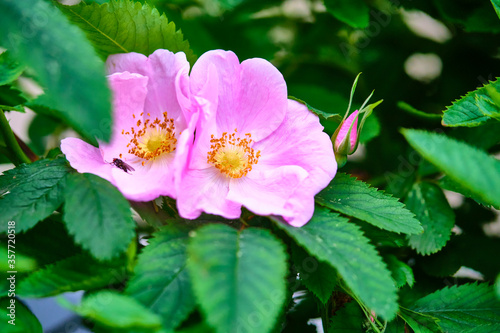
345 129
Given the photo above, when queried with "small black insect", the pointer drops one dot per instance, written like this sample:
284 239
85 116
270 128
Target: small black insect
121 165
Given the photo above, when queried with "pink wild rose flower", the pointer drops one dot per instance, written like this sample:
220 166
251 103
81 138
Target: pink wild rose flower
253 146
152 126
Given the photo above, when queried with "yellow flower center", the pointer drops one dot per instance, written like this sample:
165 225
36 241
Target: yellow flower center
231 155
152 139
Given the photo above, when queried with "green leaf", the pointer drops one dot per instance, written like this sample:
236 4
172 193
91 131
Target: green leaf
432 209
39 36
95 207
466 165
473 109
459 308
23 263
421 114
36 190
419 322
348 319
238 277
382 238
40 128
161 281
496 6
51 236
355 198
9 68
23 320
335 117
333 239
122 26
353 12
447 184
401 272
11 99
118 311
80 272
318 276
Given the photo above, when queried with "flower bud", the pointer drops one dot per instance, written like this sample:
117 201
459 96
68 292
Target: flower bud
346 138
347 135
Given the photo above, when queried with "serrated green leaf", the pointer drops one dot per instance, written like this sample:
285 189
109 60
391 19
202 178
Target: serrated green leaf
36 190
9 68
419 322
355 198
39 36
348 319
331 238
401 272
121 26
353 12
161 281
473 109
466 165
95 207
432 209
459 308
118 311
23 320
318 276
238 277
80 272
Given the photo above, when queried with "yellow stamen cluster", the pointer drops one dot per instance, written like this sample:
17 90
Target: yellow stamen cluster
233 156
152 138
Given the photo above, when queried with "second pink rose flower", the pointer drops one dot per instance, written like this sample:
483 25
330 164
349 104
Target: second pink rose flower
253 146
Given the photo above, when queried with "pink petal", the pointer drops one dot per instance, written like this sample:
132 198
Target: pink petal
129 94
127 62
86 158
163 69
265 192
344 130
300 141
146 183
183 152
251 96
206 191
204 94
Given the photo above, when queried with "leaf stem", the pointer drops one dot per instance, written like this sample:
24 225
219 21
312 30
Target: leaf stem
11 142
324 317
365 310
